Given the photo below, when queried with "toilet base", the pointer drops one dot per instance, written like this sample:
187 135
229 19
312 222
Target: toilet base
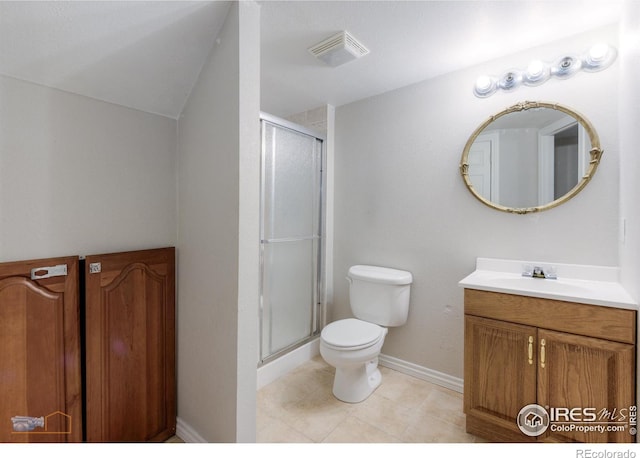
355 383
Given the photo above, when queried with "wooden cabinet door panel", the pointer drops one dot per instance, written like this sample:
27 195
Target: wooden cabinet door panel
40 373
584 372
499 377
130 316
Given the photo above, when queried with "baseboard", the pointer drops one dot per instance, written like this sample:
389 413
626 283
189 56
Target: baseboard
185 432
423 373
286 363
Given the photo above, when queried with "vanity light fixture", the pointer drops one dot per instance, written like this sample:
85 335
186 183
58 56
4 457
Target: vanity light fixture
599 57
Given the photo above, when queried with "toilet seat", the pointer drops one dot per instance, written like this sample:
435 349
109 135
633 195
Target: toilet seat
351 334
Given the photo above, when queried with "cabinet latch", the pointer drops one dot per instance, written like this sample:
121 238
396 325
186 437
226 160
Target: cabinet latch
45 272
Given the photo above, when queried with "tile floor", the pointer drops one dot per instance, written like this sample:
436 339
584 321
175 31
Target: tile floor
300 408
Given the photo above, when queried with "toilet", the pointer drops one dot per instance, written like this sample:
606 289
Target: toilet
379 298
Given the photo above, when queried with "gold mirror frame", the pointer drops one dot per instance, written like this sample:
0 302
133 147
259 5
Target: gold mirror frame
595 153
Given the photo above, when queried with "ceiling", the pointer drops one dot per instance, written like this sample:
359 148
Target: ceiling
141 54
147 54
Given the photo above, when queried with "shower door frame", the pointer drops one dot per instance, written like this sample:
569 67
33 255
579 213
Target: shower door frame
318 306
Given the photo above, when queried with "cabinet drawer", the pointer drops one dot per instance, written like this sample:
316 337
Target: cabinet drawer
584 319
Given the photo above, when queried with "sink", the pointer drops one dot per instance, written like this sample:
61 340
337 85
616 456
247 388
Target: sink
584 284
568 287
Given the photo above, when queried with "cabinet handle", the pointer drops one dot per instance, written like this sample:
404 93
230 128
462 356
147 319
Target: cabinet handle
530 350
543 352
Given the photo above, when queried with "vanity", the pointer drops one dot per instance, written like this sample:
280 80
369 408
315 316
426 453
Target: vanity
549 360
549 350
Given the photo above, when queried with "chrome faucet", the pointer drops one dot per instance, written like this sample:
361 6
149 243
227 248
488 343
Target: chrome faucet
538 272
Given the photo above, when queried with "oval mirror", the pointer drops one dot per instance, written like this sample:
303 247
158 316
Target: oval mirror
533 156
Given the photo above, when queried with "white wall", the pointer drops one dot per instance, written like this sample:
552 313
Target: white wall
400 200
629 141
629 242
80 176
218 160
249 219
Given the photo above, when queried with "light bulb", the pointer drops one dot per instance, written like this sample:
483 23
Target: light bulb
537 73
599 57
535 69
598 52
483 82
485 86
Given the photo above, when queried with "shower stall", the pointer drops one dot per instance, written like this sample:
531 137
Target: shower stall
291 236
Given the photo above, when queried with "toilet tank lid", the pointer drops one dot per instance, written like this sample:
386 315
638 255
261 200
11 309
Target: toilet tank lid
377 274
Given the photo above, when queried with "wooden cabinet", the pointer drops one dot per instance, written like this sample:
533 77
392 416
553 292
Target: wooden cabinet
40 370
499 380
129 340
130 346
582 371
576 361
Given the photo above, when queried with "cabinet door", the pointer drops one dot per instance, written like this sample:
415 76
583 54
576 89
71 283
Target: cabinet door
577 372
40 373
499 376
130 346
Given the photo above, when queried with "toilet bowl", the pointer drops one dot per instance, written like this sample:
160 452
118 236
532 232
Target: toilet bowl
352 346
378 297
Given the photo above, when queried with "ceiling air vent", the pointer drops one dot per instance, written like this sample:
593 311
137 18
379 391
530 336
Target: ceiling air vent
338 49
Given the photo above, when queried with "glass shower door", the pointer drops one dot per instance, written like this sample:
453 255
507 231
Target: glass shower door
290 237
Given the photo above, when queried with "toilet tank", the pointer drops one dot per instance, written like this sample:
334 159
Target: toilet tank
379 295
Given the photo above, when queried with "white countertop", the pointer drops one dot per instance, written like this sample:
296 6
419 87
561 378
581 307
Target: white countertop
595 285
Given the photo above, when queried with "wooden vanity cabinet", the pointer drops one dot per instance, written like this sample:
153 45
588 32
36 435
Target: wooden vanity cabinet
523 350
